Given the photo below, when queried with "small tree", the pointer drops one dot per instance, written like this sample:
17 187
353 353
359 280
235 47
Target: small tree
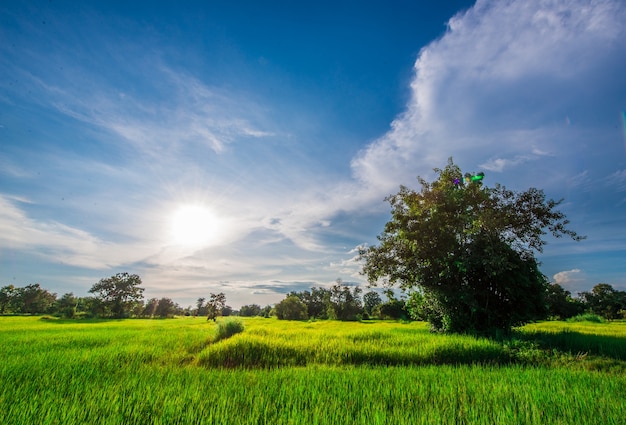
215 305
291 308
119 293
371 300
165 308
345 304
250 310
469 249
66 305
201 309
8 299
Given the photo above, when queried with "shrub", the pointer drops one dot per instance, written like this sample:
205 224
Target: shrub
587 317
228 328
291 308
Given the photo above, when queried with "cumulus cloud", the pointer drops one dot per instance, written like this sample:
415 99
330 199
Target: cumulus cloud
497 89
567 276
573 280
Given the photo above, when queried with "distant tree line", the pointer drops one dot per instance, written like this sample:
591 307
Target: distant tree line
121 296
118 296
339 302
343 302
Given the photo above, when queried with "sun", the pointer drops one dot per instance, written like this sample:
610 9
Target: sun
194 225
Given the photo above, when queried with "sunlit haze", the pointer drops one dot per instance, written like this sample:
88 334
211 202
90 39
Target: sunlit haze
247 147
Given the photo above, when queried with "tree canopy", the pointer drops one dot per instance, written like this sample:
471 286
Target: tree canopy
119 293
215 306
469 249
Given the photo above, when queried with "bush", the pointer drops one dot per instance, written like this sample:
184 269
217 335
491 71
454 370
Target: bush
291 308
228 328
587 317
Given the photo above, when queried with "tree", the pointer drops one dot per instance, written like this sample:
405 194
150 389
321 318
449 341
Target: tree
201 309
119 293
266 311
165 308
291 308
215 305
317 301
605 301
33 299
344 303
371 300
393 309
250 310
8 295
469 249
67 305
560 303
150 307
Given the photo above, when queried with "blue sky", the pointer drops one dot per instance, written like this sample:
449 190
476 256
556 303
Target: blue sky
246 147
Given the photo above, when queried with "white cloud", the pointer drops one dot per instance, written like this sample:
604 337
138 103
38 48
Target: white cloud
574 280
60 243
568 276
494 89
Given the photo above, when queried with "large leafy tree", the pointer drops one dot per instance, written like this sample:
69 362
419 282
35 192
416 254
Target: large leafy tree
119 293
468 249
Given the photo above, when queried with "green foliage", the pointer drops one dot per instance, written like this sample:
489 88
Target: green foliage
560 303
31 299
66 305
250 310
371 300
227 328
317 301
291 308
344 303
118 294
393 309
586 317
215 306
470 251
165 308
605 301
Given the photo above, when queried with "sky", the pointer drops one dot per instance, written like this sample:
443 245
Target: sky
247 147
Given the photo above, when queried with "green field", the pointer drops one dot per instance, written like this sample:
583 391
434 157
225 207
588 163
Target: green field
278 372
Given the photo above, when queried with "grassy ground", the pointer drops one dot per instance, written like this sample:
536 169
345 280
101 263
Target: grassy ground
279 372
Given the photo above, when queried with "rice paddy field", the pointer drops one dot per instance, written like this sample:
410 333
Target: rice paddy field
184 371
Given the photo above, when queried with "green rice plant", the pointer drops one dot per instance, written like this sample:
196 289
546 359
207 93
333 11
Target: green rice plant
279 343
168 372
227 328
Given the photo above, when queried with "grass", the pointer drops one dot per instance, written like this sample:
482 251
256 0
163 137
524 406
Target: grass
279 372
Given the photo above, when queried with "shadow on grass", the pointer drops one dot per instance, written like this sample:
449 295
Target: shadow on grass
577 343
81 320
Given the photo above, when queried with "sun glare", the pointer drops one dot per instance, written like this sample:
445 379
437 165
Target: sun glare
194 225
